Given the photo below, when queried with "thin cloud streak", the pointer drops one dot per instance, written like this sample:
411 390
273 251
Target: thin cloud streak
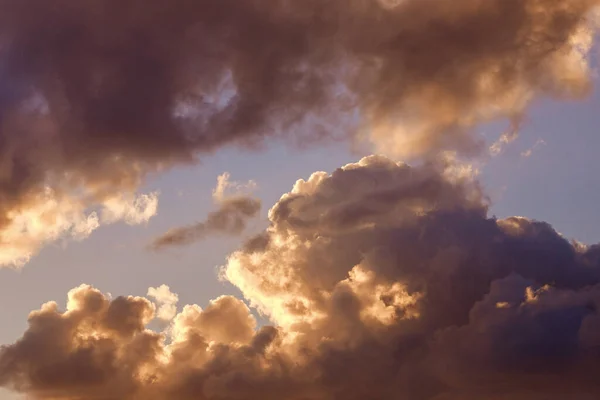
230 218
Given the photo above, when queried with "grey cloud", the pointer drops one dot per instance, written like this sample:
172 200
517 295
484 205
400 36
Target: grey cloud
97 94
234 210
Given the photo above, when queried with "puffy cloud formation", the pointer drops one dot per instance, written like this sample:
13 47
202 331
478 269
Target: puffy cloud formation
96 94
167 302
99 348
384 281
231 218
132 210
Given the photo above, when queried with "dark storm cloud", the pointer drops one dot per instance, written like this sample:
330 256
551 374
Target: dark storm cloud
97 93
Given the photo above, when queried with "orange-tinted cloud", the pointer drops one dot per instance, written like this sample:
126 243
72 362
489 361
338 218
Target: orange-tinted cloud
97 94
383 281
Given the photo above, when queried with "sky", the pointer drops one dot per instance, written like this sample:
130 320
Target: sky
556 184
334 239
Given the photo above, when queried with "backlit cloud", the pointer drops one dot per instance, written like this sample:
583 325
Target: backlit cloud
52 216
166 300
99 94
382 280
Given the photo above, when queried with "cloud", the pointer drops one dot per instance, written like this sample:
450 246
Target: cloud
166 300
383 281
507 137
527 153
52 216
132 210
230 218
97 95
226 188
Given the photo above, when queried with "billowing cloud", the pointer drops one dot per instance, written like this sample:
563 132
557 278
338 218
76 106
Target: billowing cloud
132 210
231 218
98 94
383 281
166 300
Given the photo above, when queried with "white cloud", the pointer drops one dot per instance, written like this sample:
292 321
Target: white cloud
166 301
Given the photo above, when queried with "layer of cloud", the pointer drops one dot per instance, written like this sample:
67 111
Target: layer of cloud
235 210
384 281
97 94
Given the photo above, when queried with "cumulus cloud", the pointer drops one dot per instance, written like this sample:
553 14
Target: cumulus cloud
133 210
231 218
166 300
383 281
98 94
99 348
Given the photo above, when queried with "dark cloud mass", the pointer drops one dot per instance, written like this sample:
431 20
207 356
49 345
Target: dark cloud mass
383 281
94 94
